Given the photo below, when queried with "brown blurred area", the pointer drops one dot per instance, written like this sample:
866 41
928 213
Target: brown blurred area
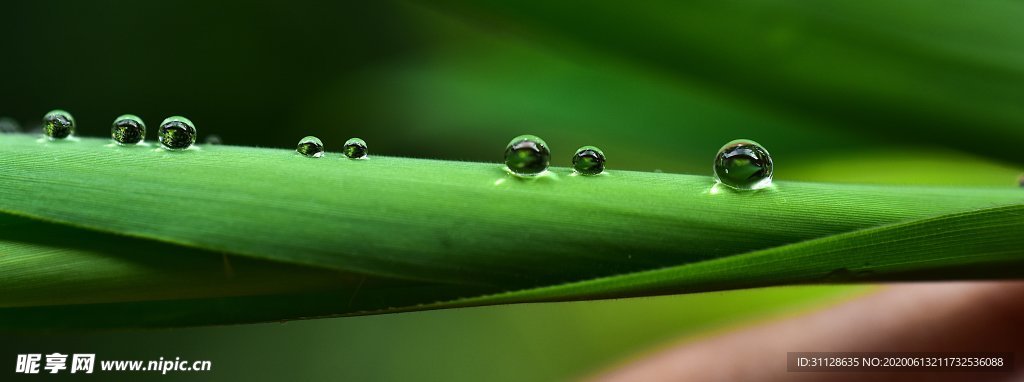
953 317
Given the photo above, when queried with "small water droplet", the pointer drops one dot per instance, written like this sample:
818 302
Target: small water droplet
310 146
743 164
9 125
213 140
355 148
527 155
588 160
58 124
1020 180
177 133
128 129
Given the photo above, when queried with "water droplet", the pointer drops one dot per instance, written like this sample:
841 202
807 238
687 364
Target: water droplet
177 133
213 140
311 147
355 148
58 124
128 129
743 164
527 155
1020 180
9 125
588 160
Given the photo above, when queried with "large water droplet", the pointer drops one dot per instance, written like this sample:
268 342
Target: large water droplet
355 148
128 129
743 164
177 133
58 124
9 125
527 155
310 146
588 160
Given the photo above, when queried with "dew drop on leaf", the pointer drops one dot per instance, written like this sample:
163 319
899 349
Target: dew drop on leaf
310 146
177 133
588 160
128 129
743 164
58 124
213 140
355 148
527 155
9 125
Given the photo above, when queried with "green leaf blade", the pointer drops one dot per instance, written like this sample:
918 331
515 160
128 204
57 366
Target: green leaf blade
437 221
332 236
982 244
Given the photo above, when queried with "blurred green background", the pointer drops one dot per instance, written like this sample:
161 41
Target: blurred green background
910 92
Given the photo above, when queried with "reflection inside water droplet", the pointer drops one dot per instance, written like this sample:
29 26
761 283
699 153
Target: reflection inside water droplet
58 124
527 155
588 160
744 165
128 129
311 147
177 133
355 148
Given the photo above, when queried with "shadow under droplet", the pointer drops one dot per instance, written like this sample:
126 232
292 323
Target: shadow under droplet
56 141
162 149
575 174
508 176
719 188
134 146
